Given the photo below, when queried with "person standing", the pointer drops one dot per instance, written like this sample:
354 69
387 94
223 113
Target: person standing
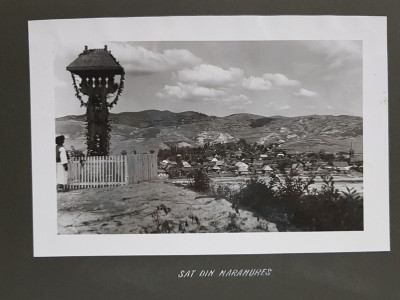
62 164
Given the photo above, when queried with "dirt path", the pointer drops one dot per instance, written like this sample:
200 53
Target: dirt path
133 209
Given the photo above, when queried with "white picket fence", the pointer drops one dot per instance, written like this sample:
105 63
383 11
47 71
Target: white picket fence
98 171
142 167
103 171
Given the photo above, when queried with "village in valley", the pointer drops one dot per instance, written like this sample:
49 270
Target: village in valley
243 160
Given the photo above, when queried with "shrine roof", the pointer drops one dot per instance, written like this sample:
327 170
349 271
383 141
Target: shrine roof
95 60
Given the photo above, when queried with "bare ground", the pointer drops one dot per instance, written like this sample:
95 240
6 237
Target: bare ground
133 209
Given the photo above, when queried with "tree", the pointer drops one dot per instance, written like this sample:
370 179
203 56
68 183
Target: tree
201 182
242 141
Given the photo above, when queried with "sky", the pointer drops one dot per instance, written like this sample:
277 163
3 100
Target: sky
287 78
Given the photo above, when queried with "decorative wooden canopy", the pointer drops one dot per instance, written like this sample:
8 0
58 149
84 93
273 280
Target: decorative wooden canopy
95 62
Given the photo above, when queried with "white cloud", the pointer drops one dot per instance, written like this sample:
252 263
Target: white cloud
176 91
204 92
329 107
304 93
184 92
239 102
284 107
233 102
280 80
343 48
338 52
257 83
194 92
139 59
268 81
243 99
209 75
214 76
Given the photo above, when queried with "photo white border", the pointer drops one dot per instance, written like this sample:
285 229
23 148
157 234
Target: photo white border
44 38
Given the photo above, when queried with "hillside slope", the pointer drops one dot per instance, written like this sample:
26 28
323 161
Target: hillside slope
153 129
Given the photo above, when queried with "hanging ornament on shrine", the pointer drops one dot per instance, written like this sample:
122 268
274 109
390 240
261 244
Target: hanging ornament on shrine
93 75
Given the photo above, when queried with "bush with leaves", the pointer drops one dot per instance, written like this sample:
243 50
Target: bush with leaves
232 225
328 209
262 198
162 226
200 182
222 191
255 194
289 202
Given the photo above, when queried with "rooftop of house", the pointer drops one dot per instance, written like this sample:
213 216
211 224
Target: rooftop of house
219 162
340 164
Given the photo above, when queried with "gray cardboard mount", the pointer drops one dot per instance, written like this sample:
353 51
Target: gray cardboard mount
300 276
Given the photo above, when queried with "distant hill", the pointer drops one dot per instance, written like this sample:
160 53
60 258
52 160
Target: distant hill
154 129
150 118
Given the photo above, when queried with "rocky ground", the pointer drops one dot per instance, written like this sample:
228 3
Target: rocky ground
150 207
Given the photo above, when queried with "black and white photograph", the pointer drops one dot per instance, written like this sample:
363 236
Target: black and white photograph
200 149
199 137
209 137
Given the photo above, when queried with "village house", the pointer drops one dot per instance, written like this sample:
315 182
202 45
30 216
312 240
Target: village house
220 163
242 168
342 166
216 169
162 173
267 170
186 165
257 167
356 159
238 154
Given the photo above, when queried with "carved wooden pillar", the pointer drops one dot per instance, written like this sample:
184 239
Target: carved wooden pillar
97 68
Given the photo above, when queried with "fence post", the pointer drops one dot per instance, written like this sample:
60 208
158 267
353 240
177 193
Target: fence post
126 169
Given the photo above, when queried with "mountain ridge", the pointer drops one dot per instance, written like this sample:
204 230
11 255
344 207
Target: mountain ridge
155 129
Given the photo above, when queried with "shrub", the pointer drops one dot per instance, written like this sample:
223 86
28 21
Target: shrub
329 212
255 194
291 188
232 225
289 202
200 182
